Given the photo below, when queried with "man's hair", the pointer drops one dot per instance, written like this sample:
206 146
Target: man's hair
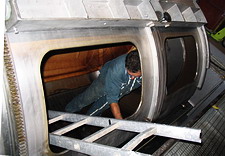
132 62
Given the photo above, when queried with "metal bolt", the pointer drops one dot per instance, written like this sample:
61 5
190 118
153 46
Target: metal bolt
15 30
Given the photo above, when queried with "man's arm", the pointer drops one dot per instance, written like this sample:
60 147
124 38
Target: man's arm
113 82
116 110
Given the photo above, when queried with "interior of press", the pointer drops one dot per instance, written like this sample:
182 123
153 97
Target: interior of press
68 72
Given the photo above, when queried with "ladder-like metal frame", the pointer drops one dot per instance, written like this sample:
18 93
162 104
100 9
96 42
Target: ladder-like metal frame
87 145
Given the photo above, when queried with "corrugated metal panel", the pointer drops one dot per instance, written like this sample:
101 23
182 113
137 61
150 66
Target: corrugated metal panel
212 125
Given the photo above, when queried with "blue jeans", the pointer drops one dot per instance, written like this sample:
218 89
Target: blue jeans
94 95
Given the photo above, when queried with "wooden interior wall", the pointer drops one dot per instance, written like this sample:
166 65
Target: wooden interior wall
65 63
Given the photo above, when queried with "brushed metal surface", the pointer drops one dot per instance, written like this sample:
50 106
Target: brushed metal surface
28 49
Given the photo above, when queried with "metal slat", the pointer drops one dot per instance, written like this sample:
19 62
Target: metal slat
60 117
183 133
70 127
101 133
92 149
87 145
137 139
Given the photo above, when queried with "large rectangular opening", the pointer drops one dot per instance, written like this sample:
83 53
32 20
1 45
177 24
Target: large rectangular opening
68 72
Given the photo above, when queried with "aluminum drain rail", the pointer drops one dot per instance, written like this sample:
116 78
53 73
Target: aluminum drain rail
88 146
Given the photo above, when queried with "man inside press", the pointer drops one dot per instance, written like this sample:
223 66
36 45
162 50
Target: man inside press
117 78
